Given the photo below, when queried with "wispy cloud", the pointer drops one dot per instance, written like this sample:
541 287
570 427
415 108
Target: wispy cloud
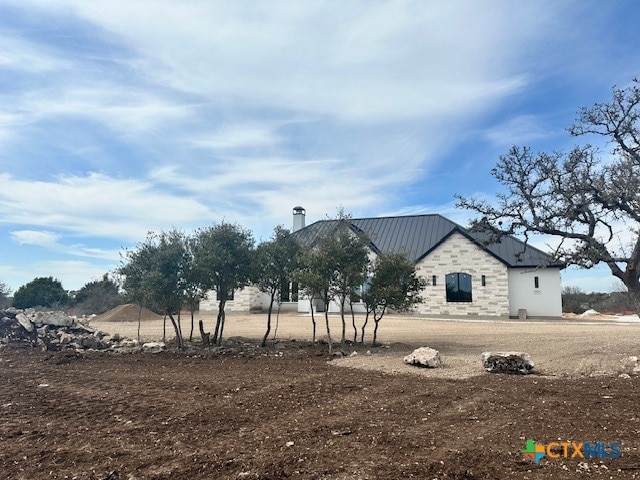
239 137
520 130
54 242
96 205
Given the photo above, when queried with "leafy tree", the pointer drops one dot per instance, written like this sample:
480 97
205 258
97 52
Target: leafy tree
98 296
43 292
222 257
192 283
351 257
153 272
393 285
591 204
318 274
334 268
5 294
276 260
311 284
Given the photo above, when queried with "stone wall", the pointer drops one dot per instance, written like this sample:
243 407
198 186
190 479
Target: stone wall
247 299
459 254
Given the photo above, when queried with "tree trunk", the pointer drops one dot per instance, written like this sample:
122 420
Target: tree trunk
191 332
176 327
179 324
364 325
266 335
164 328
343 338
216 332
353 322
377 319
375 330
326 320
206 342
222 319
313 321
275 330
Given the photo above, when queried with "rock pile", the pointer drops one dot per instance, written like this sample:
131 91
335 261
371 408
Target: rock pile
53 331
507 362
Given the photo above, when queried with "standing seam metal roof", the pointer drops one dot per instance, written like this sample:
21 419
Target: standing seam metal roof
417 235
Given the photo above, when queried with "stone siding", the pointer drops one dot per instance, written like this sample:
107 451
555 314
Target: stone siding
459 254
244 300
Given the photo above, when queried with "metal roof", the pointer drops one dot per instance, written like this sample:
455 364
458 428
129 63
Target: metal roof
417 235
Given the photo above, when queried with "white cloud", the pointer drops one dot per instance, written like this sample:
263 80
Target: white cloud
35 237
354 61
519 130
20 55
97 205
239 136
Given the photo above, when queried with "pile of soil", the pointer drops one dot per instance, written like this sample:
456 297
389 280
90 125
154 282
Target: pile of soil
127 313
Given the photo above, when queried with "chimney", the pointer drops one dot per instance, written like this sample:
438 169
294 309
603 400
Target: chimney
298 218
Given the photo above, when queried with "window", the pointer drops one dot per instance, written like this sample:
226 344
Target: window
536 282
483 280
229 295
458 287
284 291
433 280
294 291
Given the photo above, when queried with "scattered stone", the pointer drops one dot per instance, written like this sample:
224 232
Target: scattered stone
51 331
24 321
354 354
56 319
507 362
289 444
154 347
424 357
624 375
368 353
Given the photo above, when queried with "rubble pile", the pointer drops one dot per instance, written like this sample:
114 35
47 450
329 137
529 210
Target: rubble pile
54 331
507 362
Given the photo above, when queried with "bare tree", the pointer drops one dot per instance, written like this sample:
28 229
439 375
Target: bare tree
591 204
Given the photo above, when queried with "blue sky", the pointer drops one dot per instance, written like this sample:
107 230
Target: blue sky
121 117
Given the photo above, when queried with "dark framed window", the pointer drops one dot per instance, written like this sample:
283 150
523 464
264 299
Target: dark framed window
483 280
458 287
434 280
229 295
536 282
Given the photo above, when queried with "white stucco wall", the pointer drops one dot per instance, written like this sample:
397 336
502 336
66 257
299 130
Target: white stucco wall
459 254
544 301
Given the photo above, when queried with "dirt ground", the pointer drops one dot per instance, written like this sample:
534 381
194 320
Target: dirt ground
288 412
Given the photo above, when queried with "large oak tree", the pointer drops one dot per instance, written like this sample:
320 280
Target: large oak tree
588 199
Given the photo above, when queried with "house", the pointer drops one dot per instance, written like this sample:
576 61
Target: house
466 275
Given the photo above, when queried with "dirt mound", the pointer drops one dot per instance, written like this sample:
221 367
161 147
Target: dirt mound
127 313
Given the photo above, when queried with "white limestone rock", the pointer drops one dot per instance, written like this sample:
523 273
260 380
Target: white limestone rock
25 322
153 347
424 357
55 319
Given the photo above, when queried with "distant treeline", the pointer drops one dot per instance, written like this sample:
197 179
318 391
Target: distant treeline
574 300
